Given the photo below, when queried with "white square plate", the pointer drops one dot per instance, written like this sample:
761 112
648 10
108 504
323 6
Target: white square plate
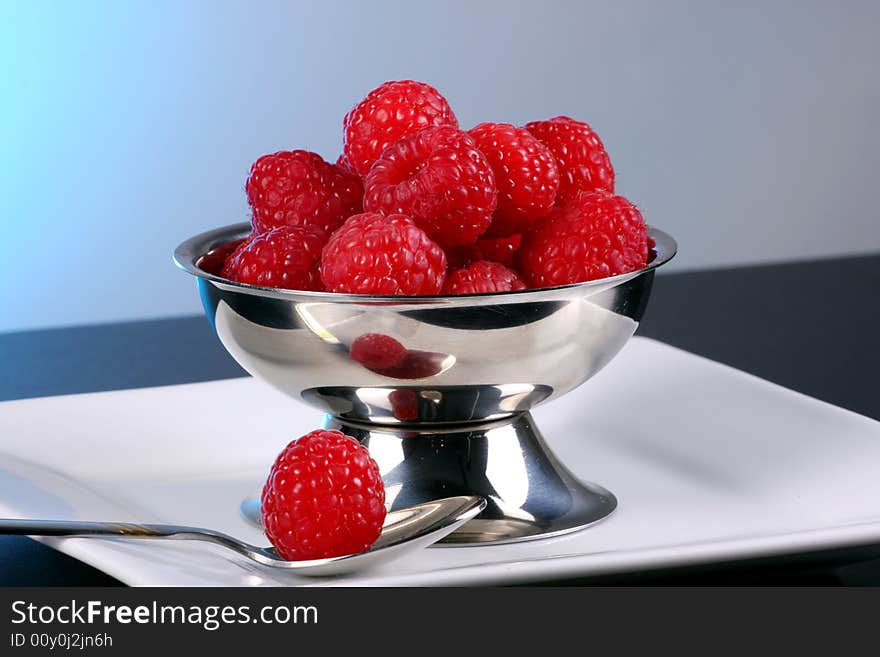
708 464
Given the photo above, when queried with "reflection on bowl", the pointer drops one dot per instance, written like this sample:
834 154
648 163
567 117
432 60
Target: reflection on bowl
461 359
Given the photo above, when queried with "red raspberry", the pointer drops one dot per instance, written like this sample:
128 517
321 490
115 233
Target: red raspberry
374 254
595 236
496 249
286 257
343 163
386 356
462 256
376 351
499 249
298 188
214 261
439 178
416 365
324 498
404 404
583 163
481 277
227 270
525 172
391 111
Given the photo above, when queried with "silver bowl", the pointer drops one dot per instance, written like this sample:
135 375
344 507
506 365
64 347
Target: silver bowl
472 368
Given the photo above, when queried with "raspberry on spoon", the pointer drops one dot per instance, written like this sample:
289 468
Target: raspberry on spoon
324 498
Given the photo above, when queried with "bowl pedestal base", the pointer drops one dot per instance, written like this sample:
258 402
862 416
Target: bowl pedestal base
530 493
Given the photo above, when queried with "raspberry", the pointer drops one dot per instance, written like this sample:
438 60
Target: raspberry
389 112
500 249
324 498
595 236
481 277
285 257
416 365
404 404
214 261
439 178
525 172
496 249
376 351
374 254
386 356
343 163
461 256
298 188
231 256
583 163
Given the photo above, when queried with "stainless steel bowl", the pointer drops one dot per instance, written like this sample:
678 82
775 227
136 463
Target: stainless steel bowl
474 366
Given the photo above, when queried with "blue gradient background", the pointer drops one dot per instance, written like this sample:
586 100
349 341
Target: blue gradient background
748 130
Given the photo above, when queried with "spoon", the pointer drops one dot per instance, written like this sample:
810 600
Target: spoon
404 530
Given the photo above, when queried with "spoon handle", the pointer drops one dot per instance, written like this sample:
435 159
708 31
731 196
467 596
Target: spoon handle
85 529
82 528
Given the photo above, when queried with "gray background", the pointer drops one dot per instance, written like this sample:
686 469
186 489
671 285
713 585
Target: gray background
748 130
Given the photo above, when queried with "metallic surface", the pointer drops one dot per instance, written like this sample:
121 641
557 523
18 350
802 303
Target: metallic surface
470 360
405 529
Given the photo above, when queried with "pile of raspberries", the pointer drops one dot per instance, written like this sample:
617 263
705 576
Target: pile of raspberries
416 206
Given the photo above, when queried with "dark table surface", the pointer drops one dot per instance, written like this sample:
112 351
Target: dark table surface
809 326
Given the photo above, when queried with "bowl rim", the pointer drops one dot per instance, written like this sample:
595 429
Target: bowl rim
191 250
